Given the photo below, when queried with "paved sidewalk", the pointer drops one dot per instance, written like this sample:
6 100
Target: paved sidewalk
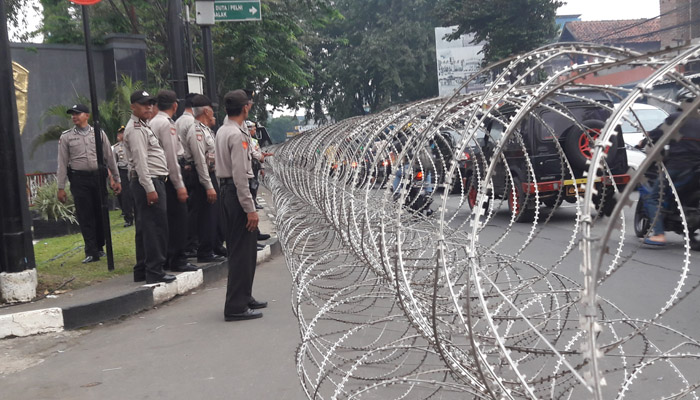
119 296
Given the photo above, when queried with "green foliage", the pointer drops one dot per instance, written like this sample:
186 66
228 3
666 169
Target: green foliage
61 22
506 27
47 205
380 53
278 127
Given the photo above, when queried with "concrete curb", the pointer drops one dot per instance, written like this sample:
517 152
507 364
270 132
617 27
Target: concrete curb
142 298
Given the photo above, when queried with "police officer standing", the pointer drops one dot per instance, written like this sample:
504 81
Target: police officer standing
148 174
77 161
234 172
126 203
199 154
164 128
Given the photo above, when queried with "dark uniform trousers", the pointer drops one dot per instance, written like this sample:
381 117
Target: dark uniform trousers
202 220
242 253
220 236
151 230
177 228
126 202
84 185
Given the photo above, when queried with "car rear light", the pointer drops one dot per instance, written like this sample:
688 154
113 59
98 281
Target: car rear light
385 163
466 156
419 176
353 164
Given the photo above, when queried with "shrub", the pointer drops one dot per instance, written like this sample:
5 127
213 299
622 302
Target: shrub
47 205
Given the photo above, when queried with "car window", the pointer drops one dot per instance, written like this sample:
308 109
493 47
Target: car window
650 119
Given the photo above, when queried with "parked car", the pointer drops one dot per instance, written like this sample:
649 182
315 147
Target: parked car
540 131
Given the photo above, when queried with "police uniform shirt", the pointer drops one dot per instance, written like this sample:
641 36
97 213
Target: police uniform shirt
253 147
233 158
145 154
196 142
76 150
164 128
120 155
183 125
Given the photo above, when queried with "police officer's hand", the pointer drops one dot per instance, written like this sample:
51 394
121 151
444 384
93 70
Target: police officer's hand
182 195
252 223
116 187
62 196
211 196
152 198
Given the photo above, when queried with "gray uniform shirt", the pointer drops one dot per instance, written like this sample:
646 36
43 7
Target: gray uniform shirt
164 128
145 153
120 155
196 142
233 160
183 125
76 150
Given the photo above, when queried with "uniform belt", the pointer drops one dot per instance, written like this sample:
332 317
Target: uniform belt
83 173
225 181
134 175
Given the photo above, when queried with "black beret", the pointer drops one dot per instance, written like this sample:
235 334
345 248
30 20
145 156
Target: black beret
166 97
201 100
236 99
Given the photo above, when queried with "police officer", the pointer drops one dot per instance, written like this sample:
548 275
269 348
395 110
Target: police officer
148 174
126 203
77 160
234 172
164 128
199 154
189 173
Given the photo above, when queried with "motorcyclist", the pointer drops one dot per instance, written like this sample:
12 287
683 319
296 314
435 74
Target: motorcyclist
680 159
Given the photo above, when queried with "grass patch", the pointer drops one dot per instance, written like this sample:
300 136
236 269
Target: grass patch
58 260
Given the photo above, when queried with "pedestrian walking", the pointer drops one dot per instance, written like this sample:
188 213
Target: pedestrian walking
148 174
126 203
77 162
200 145
241 218
164 128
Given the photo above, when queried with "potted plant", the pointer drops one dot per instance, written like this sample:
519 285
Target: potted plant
53 218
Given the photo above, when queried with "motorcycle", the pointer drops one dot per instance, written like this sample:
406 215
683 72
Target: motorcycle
689 195
417 200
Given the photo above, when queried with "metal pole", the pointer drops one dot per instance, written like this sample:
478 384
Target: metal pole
16 248
98 141
176 46
190 66
209 66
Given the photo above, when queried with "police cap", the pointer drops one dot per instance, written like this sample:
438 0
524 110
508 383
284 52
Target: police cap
142 97
201 100
78 108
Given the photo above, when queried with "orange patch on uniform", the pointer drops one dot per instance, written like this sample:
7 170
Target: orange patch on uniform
199 137
245 145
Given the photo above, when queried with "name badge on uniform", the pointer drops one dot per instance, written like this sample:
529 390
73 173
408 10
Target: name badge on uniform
199 137
173 131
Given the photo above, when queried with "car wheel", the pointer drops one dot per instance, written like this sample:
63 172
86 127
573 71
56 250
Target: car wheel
641 221
517 204
578 144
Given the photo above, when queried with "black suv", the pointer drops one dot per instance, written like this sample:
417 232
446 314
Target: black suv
568 121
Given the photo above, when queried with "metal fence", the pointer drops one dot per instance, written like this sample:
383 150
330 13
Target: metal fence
35 181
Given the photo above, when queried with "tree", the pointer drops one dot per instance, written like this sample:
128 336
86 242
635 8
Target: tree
382 52
506 27
277 128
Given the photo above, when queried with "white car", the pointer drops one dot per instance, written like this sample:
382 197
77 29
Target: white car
641 116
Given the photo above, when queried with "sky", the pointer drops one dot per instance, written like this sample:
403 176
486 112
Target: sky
592 10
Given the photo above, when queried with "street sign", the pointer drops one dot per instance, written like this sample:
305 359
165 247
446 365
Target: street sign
232 10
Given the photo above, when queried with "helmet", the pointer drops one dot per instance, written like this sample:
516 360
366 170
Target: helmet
685 94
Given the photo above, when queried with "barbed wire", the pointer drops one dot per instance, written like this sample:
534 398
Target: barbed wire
422 242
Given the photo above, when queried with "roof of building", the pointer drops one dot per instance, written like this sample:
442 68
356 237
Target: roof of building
616 31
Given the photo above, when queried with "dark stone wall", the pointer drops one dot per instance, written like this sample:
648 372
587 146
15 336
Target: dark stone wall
58 75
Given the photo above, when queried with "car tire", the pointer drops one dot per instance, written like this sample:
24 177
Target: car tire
577 144
523 209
